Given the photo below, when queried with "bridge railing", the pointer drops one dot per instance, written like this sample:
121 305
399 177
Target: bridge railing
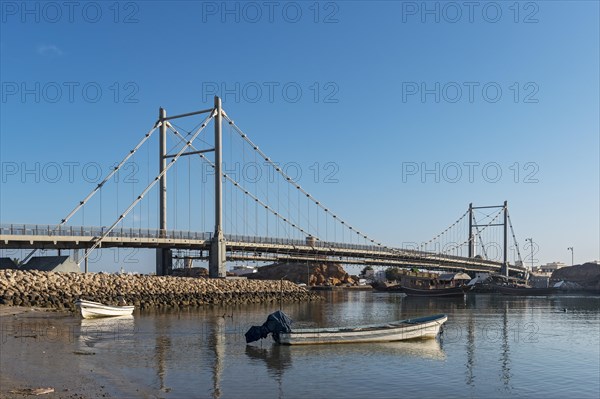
89 231
356 247
300 243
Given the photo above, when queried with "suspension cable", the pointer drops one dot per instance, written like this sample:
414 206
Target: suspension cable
110 175
101 184
446 230
514 238
308 195
240 187
480 240
139 198
298 187
481 231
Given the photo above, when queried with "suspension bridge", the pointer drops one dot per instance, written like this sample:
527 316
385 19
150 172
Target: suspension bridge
271 219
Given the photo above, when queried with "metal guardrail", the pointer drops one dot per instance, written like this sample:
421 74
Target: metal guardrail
356 247
87 231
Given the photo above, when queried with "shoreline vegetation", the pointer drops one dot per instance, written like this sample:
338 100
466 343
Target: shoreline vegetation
61 290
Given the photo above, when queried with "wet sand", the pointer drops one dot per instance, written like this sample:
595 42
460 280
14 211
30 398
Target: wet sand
41 348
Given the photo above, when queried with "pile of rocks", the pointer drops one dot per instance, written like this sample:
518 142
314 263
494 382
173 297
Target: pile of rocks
61 290
330 274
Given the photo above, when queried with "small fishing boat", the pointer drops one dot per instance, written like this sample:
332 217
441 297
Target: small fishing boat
442 292
278 324
525 291
91 309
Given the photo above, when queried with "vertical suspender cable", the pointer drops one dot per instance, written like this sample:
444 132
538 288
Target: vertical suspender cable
139 198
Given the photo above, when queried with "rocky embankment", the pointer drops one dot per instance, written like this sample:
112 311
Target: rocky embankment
314 274
61 290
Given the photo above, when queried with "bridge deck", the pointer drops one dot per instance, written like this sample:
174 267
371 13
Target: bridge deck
20 236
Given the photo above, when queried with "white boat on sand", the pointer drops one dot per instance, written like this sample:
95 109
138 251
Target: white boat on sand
91 309
278 324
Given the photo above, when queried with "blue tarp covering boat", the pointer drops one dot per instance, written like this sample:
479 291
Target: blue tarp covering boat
277 322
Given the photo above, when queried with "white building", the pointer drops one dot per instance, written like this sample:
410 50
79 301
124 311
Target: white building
548 268
552 266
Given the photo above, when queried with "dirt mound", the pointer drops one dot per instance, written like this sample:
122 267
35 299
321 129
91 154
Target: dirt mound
315 274
586 275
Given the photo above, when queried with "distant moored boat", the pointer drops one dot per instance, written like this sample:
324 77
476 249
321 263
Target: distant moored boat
505 290
445 292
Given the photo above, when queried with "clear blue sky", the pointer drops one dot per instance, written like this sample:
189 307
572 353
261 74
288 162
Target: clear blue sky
388 89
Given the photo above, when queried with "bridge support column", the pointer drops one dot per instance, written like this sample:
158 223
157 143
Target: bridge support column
162 165
164 262
505 260
164 259
217 259
471 238
216 264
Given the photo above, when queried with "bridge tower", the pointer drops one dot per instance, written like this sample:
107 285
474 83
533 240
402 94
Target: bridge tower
505 236
504 224
163 255
471 237
216 262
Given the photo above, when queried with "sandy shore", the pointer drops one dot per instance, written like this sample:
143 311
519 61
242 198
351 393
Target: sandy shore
52 359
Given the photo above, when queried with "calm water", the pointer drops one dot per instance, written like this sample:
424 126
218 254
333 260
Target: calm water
492 346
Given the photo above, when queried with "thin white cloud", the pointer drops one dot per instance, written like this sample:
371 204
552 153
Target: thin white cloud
49 50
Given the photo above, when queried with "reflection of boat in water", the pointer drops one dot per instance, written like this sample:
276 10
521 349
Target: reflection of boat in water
426 348
278 324
438 292
91 309
105 323
97 330
525 291
277 357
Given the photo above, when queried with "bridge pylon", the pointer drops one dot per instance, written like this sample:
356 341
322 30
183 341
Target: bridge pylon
163 256
217 259
505 225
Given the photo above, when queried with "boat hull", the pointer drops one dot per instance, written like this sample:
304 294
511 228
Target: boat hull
420 328
441 292
515 291
90 310
385 287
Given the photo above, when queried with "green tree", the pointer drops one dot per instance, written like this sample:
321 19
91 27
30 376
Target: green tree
365 270
392 273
